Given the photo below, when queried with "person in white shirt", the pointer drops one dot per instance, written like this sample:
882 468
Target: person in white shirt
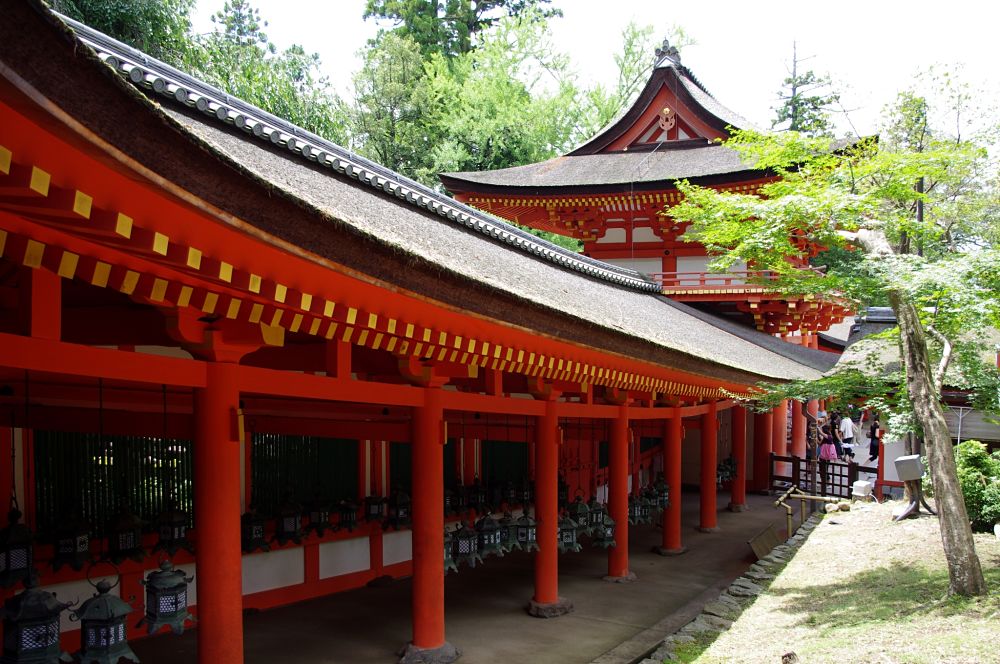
847 434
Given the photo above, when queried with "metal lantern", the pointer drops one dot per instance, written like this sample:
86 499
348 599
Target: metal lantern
527 532
509 493
398 513
603 534
563 493
374 508
166 599
508 533
319 517
524 492
71 542
348 516
449 560
661 493
595 509
288 527
31 627
488 531
460 501
477 496
172 527
252 528
638 510
449 502
580 513
103 632
125 538
567 535
16 550
465 547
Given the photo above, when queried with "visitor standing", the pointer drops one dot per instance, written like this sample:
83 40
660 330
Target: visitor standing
846 435
873 433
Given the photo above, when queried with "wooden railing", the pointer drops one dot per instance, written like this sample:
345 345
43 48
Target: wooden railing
823 478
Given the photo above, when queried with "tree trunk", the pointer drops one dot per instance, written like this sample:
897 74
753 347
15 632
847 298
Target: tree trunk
964 571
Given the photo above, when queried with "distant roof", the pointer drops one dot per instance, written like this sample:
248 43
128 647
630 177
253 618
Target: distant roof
630 150
616 169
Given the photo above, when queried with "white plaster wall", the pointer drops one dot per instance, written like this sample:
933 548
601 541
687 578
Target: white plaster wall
700 264
79 591
644 265
644 234
397 547
274 569
344 557
612 235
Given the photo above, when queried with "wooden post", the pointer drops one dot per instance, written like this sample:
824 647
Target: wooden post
672 474
709 463
217 512
762 435
738 497
618 570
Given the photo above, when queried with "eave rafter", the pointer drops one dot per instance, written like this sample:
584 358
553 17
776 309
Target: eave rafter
47 224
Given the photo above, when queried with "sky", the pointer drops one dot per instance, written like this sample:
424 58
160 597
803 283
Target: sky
871 49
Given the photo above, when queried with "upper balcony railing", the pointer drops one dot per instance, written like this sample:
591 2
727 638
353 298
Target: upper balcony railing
744 280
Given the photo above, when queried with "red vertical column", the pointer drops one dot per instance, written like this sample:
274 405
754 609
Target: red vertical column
779 441
618 468
672 474
738 498
798 431
428 534
217 512
709 463
762 435
546 603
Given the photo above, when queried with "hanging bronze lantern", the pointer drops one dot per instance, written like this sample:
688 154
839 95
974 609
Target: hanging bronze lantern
16 549
527 532
524 492
488 533
166 599
580 513
172 527
563 493
604 535
594 515
567 535
509 493
449 502
252 528
347 516
477 496
319 516
103 632
466 546
31 626
638 510
398 512
449 560
508 533
71 542
661 493
374 508
288 527
125 538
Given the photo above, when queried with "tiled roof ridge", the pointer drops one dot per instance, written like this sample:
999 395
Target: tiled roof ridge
146 72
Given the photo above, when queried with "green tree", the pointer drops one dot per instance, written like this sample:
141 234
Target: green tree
945 295
158 27
806 99
449 27
238 58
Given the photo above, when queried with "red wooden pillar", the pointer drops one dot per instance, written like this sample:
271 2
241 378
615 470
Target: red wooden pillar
428 534
798 431
762 435
217 513
779 440
672 474
709 463
618 468
738 498
546 603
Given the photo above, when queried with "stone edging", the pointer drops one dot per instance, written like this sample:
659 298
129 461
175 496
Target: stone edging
718 615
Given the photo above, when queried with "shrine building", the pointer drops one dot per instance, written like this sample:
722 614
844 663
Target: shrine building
291 371
613 194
